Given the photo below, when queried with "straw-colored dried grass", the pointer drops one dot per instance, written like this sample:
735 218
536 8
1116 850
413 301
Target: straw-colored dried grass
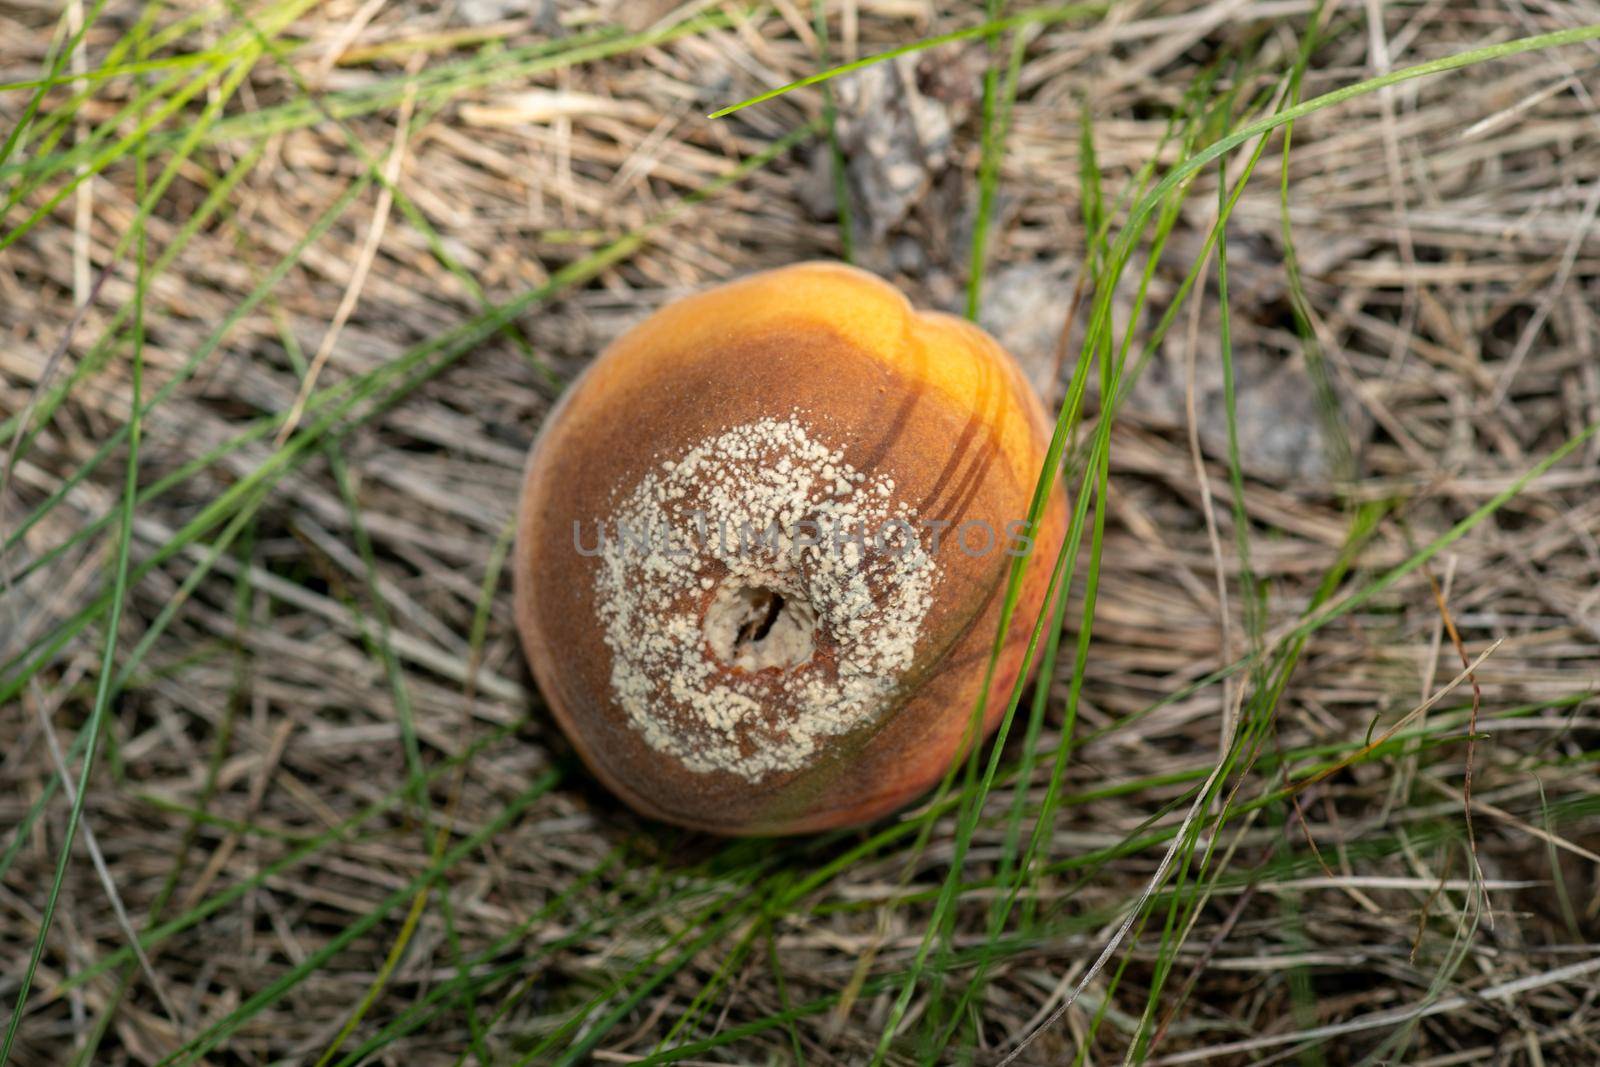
1447 240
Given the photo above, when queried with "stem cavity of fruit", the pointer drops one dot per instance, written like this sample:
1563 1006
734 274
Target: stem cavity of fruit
756 628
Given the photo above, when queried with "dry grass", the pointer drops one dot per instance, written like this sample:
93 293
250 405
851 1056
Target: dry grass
1451 267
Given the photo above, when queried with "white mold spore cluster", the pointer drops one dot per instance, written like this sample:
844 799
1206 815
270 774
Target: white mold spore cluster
679 613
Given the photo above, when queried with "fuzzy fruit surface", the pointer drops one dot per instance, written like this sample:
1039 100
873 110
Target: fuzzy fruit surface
763 544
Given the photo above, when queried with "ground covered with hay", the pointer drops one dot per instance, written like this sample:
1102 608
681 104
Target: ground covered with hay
1311 776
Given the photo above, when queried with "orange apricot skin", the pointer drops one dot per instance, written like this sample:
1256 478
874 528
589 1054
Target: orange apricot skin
928 397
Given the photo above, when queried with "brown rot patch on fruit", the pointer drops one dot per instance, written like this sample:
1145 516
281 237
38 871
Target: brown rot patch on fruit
756 627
